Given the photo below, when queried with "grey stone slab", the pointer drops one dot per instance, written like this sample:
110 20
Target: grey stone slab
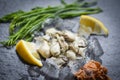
11 68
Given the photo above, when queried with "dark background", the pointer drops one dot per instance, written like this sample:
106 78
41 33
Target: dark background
11 68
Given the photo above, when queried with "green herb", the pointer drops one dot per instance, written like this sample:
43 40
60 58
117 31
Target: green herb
23 24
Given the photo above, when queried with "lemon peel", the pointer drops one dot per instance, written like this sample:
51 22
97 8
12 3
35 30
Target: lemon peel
26 51
92 25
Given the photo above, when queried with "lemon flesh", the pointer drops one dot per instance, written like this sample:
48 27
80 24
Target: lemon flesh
91 25
27 52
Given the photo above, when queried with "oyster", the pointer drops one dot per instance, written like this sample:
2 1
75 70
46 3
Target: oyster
53 31
80 42
63 44
71 55
47 37
63 57
44 48
55 48
74 46
69 36
82 52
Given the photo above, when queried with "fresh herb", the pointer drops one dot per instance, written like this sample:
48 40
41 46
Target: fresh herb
23 24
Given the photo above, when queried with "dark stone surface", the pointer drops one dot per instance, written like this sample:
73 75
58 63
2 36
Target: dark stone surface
11 68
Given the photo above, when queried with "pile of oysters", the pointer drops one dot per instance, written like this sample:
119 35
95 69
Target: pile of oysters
61 46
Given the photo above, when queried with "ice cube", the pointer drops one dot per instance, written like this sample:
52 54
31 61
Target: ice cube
53 23
70 25
50 71
76 64
41 77
33 71
61 24
66 74
94 50
97 49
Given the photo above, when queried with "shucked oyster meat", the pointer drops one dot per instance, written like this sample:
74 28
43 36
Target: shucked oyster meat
68 35
71 55
63 44
55 43
55 48
44 48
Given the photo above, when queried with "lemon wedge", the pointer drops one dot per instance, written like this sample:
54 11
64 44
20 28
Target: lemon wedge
91 25
27 51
